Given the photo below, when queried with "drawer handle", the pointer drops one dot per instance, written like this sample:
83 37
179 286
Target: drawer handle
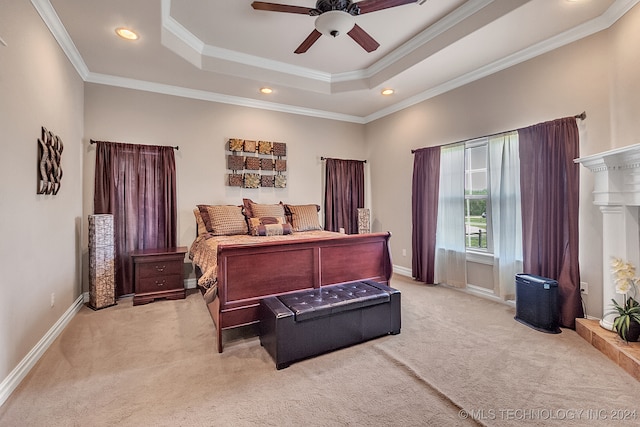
160 269
160 283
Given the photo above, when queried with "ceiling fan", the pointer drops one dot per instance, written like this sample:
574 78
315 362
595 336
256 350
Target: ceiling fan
335 17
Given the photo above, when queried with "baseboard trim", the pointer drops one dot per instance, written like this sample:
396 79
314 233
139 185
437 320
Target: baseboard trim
191 283
403 271
11 382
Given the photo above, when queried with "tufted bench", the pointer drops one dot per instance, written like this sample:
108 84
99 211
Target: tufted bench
307 323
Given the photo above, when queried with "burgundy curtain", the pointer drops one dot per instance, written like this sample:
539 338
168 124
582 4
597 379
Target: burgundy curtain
549 182
424 212
137 184
344 194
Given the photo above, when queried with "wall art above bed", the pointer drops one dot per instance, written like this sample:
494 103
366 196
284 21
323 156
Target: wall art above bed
255 164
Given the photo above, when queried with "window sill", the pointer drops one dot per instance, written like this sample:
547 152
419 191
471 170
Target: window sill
480 257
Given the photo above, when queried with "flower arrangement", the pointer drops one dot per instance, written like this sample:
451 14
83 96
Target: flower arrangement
624 276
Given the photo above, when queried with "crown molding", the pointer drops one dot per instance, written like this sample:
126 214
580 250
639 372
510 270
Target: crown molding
192 42
52 21
178 30
618 9
604 21
433 31
203 95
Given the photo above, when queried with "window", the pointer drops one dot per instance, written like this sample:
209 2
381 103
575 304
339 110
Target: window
476 196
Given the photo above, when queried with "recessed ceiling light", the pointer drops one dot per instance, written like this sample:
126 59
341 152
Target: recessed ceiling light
266 90
127 34
387 91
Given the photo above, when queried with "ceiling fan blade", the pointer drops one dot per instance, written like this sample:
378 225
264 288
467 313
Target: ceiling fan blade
274 7
363 38
308 42
368 6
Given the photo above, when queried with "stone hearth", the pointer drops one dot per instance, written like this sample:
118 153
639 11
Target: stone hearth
625 355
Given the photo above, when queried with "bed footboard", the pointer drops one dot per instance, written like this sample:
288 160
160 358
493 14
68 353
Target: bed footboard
248 273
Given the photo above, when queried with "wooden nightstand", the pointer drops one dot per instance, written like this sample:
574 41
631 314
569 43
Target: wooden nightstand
157 273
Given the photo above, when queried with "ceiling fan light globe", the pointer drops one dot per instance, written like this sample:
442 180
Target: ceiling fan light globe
334 23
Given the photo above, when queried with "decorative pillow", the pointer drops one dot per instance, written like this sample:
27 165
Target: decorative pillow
304 217
258 210
269 226
247 207
223 220
200 227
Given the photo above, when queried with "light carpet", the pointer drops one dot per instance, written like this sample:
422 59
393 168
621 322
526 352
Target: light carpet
459 360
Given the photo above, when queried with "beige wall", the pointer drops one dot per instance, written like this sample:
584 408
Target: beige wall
201 130
597 75
625 90
40 235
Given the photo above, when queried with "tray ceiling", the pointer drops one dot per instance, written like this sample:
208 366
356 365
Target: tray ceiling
225 51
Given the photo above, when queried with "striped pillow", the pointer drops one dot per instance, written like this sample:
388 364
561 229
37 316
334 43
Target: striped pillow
223 220
304 217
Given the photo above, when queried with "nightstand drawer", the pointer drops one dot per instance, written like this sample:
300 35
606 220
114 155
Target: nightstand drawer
159 269
160 283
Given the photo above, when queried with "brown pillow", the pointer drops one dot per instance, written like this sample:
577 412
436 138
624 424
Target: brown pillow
258 210
287 212
304 217
261 210
223 220
247 207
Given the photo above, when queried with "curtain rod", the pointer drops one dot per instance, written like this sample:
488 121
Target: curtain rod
177 147
325 158
580 116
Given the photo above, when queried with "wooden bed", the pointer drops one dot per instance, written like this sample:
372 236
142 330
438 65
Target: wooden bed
246 273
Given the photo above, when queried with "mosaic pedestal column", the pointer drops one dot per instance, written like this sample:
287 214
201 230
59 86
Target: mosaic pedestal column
364 225
102 292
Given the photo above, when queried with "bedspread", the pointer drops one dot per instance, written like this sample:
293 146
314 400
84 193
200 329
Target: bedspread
204 253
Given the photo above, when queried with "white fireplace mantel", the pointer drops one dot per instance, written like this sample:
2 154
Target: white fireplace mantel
617 176
617 192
